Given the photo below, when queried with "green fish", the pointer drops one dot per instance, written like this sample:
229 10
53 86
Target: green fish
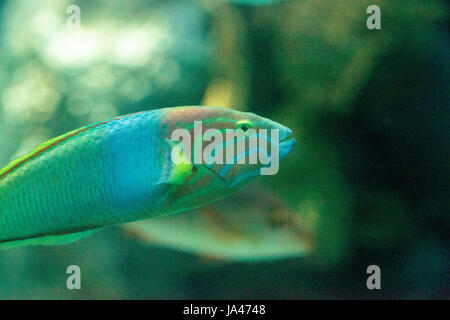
120 170
250 225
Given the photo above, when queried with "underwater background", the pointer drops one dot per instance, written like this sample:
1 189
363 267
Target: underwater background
369 177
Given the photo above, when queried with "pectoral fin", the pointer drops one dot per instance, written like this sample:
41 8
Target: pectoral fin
174 169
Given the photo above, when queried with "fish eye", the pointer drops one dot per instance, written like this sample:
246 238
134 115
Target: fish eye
244 125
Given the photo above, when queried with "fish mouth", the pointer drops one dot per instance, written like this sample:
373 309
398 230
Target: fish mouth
287 143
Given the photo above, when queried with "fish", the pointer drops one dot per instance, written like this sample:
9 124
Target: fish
251 225
120 170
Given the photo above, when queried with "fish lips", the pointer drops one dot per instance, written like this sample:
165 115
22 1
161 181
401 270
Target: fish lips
287 143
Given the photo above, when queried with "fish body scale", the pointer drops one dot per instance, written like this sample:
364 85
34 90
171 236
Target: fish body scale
99 176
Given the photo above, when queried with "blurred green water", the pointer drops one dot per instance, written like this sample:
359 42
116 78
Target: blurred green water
369 110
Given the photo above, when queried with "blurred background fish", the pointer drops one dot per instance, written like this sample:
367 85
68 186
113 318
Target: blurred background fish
251 225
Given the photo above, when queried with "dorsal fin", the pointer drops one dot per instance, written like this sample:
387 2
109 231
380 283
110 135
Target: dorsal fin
36 151
51 143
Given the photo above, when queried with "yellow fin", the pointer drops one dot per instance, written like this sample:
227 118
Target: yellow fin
171 172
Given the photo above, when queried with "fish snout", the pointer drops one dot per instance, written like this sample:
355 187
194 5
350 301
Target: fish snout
287 143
